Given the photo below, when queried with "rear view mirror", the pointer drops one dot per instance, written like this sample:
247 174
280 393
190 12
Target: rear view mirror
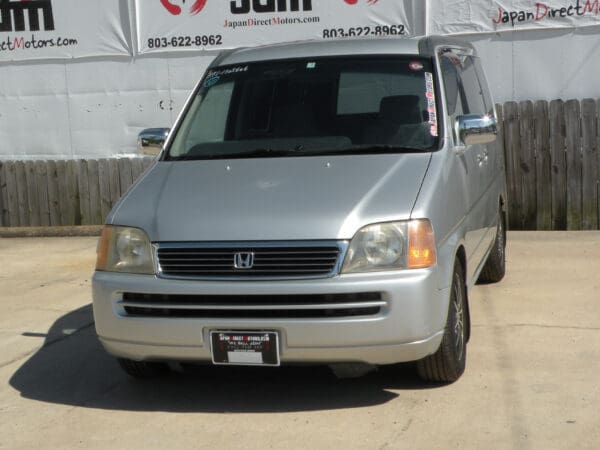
476 129
151 140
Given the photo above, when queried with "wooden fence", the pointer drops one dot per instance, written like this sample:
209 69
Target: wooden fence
552 159
552 164
59 193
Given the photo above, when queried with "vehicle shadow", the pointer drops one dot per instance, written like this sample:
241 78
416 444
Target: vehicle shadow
72 368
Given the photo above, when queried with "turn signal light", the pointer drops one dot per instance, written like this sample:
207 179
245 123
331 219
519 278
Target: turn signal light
421 245
103 249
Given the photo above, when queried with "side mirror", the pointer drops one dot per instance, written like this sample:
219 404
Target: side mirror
475 129
151 140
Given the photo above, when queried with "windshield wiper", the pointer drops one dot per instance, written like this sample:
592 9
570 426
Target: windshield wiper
254 153
368 149
266 152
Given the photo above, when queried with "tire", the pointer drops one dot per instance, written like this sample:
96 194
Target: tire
495 266
142 369
448 363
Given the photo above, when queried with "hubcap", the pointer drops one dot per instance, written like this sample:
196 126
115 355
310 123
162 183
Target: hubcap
459 319
500 238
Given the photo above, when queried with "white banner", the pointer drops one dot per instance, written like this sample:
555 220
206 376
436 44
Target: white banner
179 25
49 29
490 16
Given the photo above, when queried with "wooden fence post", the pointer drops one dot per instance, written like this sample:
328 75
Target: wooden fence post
574 173
63 193
589 142
3 197
597 161
41 181
512 141
543 166
115 188
527 167
137 168
94 190
559 170
104 183
74 202
23 199
125 176
32 194
84 192
15 188
53 198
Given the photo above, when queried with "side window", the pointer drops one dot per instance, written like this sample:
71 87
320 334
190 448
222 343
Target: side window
463 83
487 97
453 86
472 87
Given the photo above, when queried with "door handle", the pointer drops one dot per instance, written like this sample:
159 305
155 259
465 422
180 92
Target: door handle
482 158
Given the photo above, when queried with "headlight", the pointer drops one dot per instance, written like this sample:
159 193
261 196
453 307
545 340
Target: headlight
124 249
392 246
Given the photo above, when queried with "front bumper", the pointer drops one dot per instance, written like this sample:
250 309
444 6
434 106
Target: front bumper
408 327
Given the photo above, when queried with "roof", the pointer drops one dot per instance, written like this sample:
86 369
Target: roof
346 47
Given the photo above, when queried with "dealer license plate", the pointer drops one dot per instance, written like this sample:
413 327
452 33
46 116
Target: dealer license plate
245 348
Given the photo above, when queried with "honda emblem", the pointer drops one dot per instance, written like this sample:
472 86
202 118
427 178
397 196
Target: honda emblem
243 261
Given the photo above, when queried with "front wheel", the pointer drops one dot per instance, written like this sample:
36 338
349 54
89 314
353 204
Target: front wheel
495 266
447 364
142 369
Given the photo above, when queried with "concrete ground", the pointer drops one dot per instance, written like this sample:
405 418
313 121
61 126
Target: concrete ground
532 378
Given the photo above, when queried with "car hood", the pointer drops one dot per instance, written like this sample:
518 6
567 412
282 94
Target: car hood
301 198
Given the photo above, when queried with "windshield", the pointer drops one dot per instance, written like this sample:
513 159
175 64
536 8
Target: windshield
311 107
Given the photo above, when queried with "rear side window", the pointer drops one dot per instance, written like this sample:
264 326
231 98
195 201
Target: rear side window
472 87
463 85
487 97
451 78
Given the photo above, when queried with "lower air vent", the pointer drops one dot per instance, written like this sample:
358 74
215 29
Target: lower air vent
256 307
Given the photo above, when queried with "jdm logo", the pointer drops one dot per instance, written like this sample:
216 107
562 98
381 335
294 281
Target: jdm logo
354 2
175 9
13 13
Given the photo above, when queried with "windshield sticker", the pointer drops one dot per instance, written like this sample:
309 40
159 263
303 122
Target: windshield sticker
211 81
228 71
214 76
416 66
311 65
431 109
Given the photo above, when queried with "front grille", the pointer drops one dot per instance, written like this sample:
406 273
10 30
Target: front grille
266 261
253 306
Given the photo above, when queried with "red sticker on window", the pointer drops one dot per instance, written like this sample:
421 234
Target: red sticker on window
415 66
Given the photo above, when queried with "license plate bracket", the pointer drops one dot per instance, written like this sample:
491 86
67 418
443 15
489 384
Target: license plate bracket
245 348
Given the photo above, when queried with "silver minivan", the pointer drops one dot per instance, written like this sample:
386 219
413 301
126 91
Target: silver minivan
316 203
